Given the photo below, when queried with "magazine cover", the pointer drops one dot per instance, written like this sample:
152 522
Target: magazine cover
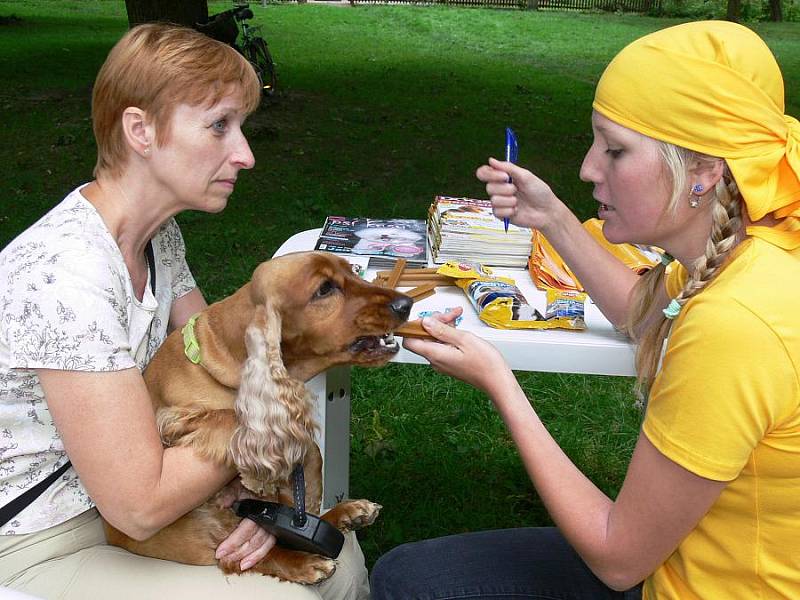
388 239
469 215
464 214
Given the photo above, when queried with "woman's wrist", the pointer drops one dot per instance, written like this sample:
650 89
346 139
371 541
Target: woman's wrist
559 223
502 385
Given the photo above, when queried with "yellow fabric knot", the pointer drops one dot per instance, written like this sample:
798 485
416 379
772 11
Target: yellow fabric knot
793 158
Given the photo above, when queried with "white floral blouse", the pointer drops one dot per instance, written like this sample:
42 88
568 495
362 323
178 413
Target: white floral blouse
67 302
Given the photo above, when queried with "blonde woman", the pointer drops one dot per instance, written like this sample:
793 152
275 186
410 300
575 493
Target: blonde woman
88 295
692 153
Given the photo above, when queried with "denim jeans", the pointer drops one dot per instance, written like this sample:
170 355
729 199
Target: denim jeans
503 564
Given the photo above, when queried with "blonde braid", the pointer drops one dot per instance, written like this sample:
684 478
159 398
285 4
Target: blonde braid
726 233
642 298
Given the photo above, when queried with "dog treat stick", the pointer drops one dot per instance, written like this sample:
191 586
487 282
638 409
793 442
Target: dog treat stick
437 279
396 273
410 275
426 277
422 291
424 295
412 272
412 279
413 329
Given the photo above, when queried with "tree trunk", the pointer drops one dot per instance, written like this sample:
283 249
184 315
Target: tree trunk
182 12
775 10
734 10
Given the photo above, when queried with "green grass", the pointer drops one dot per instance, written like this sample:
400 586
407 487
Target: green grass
379 109
434 453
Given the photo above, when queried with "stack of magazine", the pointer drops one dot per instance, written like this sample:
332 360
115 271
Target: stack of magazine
464 229
382 241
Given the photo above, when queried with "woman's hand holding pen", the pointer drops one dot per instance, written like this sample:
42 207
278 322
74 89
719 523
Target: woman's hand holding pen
527 201
462 355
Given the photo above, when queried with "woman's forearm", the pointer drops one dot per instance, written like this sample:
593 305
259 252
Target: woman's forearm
183 483
607 280
580 510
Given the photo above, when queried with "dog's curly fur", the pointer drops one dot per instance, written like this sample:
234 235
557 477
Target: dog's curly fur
274 411
246 404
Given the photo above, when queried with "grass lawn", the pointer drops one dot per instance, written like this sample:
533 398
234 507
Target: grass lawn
379 109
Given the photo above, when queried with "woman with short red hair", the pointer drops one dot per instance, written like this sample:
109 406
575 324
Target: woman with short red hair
89 293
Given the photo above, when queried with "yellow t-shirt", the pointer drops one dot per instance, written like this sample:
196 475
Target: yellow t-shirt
726 406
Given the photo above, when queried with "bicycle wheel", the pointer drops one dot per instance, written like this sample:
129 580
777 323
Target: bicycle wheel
258 55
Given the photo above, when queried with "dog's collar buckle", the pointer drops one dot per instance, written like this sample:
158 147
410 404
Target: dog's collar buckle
191 347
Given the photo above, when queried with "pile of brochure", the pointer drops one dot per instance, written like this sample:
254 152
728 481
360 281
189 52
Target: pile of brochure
465 230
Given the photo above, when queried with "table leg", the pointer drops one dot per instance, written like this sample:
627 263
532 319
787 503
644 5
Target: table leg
332 411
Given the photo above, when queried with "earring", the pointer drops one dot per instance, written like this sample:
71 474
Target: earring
147 149
694 199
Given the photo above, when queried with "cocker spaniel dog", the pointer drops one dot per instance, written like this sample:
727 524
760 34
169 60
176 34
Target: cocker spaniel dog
243 400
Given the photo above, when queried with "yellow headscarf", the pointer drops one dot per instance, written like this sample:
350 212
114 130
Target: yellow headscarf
714 87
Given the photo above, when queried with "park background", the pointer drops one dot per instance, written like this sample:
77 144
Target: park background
378 109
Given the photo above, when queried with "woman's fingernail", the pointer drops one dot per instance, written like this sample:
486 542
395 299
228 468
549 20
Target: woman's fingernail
245 564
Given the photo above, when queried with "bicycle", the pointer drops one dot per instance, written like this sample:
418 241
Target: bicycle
226 26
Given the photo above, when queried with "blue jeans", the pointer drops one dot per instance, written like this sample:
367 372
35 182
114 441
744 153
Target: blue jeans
503 564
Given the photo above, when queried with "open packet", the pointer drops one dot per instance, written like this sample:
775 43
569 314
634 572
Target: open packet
500 303
549 271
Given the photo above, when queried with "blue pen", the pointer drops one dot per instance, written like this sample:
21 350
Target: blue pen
512 149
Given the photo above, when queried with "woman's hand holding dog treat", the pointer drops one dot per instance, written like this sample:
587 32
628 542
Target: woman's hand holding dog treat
462 355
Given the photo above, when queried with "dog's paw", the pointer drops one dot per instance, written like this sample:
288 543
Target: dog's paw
297 567
353 514
317 568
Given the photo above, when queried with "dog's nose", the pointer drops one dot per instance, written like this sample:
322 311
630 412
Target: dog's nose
401 306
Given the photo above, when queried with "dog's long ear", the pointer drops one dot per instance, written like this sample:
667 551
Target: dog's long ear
274 410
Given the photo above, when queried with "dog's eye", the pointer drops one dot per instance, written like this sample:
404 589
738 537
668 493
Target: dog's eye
326 289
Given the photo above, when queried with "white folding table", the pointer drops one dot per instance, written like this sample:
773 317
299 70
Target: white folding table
597 350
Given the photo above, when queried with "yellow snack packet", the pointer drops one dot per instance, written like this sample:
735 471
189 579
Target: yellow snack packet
464 270
500 304
566 308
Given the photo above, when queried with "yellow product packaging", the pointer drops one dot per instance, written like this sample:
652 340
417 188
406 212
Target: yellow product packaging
464 270
548 269
566 309
500 303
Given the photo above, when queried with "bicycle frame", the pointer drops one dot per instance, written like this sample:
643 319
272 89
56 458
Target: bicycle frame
253 47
